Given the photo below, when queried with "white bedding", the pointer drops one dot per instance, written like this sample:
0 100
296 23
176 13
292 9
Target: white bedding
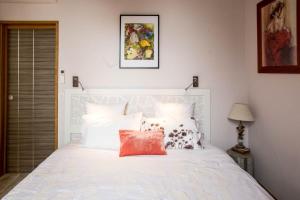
80 173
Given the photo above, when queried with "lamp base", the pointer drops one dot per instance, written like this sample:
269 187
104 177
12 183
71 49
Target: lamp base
240 149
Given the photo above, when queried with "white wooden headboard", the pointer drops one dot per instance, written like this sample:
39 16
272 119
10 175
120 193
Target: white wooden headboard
139 100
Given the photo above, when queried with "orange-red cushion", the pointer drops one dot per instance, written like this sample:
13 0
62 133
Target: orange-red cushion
141 143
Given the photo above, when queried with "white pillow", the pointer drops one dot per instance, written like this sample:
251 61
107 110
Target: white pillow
90 119
179 134
106 110
103 133
174 110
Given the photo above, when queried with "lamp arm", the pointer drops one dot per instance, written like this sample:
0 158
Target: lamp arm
188 87
82 88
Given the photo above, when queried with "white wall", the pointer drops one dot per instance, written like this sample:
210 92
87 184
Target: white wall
214 39
274 137
197 37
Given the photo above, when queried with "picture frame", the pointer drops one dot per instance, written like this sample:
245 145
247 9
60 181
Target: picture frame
278 36
139 42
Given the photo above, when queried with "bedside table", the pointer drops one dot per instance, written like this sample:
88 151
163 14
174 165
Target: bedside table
245 161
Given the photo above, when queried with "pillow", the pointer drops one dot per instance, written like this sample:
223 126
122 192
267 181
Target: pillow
174 110
179 134
141 143
103 133
90 119
106 110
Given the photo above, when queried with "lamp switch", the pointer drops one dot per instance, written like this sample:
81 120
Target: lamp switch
75 81
195 81
62 76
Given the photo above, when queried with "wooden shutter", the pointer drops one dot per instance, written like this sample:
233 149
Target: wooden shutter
31 89
44 101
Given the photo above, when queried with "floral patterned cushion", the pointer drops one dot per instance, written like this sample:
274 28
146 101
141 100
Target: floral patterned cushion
178 134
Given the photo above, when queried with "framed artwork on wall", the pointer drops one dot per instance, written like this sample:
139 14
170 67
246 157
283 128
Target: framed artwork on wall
139 42
278 36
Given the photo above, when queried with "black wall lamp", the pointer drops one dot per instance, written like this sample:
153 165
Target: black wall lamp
77 83
194 84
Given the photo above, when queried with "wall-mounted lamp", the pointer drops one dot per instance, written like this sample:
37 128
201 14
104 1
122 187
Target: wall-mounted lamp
77 83
195 83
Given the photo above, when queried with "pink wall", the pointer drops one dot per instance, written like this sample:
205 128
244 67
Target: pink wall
275 136
197 37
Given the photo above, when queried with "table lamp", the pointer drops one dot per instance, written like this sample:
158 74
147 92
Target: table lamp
241 112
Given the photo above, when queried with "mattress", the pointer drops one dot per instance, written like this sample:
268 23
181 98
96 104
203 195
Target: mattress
74 172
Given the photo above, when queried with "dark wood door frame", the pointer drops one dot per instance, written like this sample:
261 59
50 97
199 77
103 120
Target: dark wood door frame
3 80
2 101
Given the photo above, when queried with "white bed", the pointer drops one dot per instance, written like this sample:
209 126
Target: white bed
74 172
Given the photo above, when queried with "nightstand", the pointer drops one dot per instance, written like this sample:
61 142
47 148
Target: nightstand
245 161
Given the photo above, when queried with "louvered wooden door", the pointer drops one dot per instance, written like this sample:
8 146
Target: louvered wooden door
31 92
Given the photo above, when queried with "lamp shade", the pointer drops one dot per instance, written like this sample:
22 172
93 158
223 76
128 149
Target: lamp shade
241 112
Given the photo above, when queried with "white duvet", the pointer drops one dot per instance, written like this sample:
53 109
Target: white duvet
80 173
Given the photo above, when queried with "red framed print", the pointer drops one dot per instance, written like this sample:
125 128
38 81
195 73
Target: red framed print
278 36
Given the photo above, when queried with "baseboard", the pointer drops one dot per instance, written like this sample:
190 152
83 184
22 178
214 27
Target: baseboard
267 190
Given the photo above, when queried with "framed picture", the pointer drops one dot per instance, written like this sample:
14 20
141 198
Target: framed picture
278 36
139 41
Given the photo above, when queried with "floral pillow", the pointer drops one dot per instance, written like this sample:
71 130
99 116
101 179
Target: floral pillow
178 134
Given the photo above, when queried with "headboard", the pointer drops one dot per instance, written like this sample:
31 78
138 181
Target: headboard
139 100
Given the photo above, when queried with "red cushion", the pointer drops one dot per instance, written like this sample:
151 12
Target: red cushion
141 143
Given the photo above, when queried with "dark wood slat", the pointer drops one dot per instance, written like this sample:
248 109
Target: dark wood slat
31 128
44 94
13 125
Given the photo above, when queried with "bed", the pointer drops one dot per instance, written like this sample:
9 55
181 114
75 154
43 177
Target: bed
77 172
73 172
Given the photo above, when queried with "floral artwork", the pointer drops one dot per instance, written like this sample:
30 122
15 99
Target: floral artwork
278 36
139 40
